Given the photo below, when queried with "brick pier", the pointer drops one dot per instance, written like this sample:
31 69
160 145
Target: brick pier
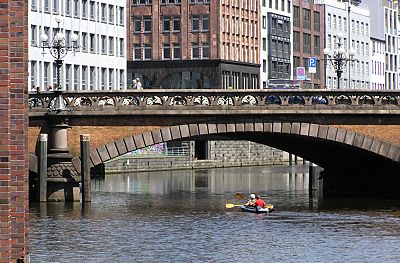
14 202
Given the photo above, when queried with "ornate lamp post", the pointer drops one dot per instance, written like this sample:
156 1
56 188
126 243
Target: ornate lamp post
58 49
339 58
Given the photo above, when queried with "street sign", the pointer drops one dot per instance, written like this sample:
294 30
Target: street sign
312 65
301 73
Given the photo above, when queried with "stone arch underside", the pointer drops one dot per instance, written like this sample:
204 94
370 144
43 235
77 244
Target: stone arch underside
328 147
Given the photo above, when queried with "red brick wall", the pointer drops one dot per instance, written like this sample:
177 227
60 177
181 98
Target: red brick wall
13 129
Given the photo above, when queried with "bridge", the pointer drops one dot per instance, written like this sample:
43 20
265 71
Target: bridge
354 135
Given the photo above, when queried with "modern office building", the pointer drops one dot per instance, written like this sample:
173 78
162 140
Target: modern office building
352 24
275 41
308 41
384 26
194 44
100 61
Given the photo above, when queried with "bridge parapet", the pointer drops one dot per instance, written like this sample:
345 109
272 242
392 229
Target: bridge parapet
219 98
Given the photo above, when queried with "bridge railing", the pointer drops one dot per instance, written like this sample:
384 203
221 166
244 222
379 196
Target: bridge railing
236 98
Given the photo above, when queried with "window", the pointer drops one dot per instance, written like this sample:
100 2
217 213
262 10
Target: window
92 77
176 24
92 10
103 78
195 50
110 78
84 77
103 45
307 18
84 8
121 16
121 78
264 22
55 6
195 23
67 7
147 51
142 2
33 35
68 73
166 23
137 52
33 5
84 42
137 24
177 51
33 74
46 80
296 16
306 43
111 14
76 8
264 44
147 24
121 47
206 50
316 21
296 41
76 77
166 51
264 66
111 46
46 6
92 43
316 45
205 22
103 12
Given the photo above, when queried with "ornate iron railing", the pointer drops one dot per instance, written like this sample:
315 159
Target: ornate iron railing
223 98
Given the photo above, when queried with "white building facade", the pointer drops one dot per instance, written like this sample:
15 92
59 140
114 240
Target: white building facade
99 63
384 27
353 24
378 77
276 48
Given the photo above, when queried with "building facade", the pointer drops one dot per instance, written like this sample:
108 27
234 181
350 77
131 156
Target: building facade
194 44
308 41
99 62
275 41
384 26
353 24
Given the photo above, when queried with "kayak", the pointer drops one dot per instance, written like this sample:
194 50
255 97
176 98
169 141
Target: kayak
259 210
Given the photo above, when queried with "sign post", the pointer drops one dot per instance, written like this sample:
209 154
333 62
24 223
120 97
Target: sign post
312 65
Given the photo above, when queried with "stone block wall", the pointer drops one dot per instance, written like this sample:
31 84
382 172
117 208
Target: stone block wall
14 203
221 153
237 153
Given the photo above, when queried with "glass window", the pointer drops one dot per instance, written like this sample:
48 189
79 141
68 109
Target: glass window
195 50
177 51
195 23
166 51
147 24
166 23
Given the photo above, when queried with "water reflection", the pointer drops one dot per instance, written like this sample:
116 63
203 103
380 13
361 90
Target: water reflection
180 216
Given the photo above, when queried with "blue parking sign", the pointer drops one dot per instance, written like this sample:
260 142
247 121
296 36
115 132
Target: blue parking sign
312 65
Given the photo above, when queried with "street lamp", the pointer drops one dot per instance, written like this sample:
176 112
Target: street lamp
58 49
339 58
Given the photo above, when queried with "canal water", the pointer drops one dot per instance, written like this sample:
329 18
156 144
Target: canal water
180 216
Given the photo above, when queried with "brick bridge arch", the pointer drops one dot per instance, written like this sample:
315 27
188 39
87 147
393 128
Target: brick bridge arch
352 162
317 143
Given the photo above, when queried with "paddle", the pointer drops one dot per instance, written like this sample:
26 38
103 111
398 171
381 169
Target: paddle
231 205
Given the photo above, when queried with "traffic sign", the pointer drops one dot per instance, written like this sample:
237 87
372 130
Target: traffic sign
312 65
301 73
